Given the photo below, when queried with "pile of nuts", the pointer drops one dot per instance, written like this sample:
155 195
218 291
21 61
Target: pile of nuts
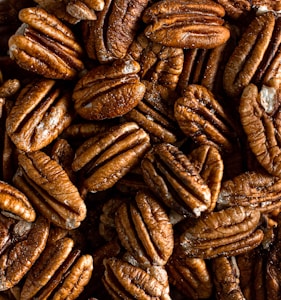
140 149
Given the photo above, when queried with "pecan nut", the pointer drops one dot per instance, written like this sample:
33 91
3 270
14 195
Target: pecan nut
236 9
45 46
192 24
108 91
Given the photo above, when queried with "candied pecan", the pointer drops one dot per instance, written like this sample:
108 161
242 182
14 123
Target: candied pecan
105 158
125 281
40 113
49 189
201 117
144 230
251 53
25 242
192 24
226 232
236 8
226 278
110 36
260 113
108 91
257 190
45 46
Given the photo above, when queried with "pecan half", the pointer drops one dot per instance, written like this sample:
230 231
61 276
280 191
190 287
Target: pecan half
50 190
107 157
40 113
45 46
108 91
192 24
227 232
236 8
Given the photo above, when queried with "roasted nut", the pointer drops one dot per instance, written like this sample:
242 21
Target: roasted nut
259 113
236 8
267 4
145 231
181 181
107 157
50 190
85 9
201 117
192 24
108 91
227 232
45 46
41 112
109 37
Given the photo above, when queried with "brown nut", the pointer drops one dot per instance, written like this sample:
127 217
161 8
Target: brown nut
227 232
182 182
40 113
236 9
107 157
50 190
109 37
45 46
181 24
259 114
108 91
267 4
145 231
24 243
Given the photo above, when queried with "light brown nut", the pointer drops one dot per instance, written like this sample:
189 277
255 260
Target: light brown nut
192 24
84 10
40 113
45 46
26 242
227 232
259 115
181 181
201 117
260 191
109 37
50 190
123 280
248 55
226 278
108 91
105 158
236 9
145 231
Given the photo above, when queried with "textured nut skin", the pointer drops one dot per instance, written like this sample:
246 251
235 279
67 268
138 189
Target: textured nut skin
145 231
235 8
196 24
270 5
45 45
259 115
108 91
40 113
226 232
60 203
107 157
29 246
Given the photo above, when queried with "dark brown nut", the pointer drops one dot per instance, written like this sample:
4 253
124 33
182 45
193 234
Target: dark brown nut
45 46
227 232
201 117
191 277
50 190
40 113
145 231
226 278
182 182
109 37
24 243
159 64
108 91
105 158
236 8
248 55
13 201
192 24
55 274
126 281
155 114
259 114
260 191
